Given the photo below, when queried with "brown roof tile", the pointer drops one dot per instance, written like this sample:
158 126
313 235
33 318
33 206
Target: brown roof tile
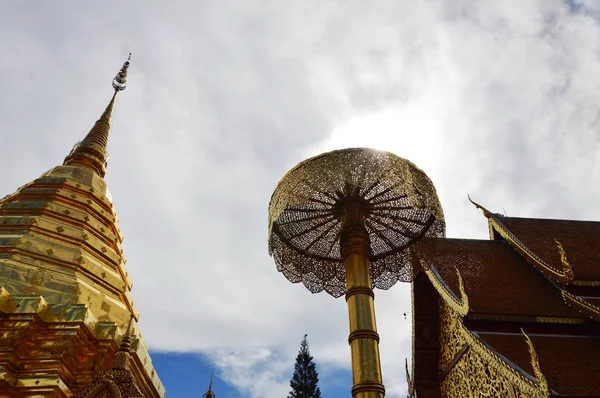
580 239
497 280
569 363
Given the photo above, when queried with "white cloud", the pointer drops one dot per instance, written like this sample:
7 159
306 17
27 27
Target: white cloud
493 98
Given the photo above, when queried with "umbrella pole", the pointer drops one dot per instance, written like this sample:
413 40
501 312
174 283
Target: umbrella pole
363 338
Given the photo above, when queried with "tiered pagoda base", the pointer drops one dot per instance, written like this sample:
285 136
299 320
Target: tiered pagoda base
54 351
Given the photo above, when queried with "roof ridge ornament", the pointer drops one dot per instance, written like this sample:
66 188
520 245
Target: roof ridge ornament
537 370
583 306
567 267
461 287
459 305
485 211
564 274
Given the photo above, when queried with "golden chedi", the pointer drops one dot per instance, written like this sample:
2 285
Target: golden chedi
64 291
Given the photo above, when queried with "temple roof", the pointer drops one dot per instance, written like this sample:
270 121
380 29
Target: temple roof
497 280
569 363
540 275
578 238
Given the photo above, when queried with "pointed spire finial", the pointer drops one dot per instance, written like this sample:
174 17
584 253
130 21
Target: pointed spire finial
120 80
126 342
121 359
92 152
210 393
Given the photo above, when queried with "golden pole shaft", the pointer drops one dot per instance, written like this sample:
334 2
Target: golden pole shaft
363 338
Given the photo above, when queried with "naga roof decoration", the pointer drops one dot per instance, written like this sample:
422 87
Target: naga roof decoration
567 269
585 306
568 363
460 303
502 376
544 243
535 364
564 274
478 266
534 275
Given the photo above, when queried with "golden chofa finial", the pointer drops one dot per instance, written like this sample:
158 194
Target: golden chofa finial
92 151
485 211
568 273
542 383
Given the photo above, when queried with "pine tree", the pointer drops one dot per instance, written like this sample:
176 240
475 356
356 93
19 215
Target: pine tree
305 380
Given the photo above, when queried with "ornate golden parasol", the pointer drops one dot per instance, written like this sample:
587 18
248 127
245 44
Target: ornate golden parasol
346 221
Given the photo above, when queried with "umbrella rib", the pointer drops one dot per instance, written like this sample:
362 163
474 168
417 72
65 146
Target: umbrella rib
380 193
398 218
329 204
321 201
333 241
320 236
311 228
298 209
388 200
403 233
321 192
368 190
391 208
388 189
381 236
305 219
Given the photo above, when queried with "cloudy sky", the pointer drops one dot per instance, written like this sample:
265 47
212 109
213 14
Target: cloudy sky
498 99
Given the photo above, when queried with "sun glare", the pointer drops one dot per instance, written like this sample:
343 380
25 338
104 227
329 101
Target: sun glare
409 133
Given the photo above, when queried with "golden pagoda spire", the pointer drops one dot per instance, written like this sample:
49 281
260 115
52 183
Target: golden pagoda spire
210 393
92 152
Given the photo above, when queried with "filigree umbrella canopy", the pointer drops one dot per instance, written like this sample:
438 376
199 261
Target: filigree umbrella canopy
399 203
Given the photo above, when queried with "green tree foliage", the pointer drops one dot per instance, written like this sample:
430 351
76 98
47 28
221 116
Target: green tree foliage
305 380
